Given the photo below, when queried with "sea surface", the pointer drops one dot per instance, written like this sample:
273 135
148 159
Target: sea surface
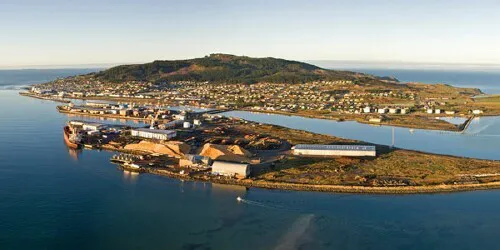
487 81
10 79
54 198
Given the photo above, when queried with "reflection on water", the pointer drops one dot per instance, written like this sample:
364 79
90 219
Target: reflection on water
130 176
298 234
220 189
74 153
107 120
454 120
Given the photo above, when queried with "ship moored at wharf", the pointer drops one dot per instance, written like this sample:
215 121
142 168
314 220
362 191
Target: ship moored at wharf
71 138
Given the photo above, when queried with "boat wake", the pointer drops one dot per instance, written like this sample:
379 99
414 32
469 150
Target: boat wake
255 203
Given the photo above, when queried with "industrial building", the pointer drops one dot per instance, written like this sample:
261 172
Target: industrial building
126 112
334 150
195 161
239 170
171 124
92 126
154 133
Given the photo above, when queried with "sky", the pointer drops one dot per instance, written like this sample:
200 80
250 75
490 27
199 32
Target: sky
50 32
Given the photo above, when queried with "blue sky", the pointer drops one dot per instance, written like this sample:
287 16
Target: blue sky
101 32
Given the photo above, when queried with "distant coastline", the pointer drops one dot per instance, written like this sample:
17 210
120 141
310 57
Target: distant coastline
402 65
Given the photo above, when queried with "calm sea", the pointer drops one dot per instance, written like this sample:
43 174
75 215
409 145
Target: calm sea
11 78
487 81
52 198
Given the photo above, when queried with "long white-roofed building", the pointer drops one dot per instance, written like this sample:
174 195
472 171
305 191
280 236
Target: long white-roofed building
154 133
334 150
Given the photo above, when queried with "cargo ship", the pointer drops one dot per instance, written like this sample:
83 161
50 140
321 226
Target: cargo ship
71 138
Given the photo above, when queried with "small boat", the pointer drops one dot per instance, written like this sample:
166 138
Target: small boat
71 139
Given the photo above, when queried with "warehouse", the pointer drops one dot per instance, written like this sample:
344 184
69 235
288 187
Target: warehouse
334 150
92 126
154 133
239 170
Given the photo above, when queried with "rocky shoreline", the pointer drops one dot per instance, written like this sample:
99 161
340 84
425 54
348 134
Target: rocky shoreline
331 188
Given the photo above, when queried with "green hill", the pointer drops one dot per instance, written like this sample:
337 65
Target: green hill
226 68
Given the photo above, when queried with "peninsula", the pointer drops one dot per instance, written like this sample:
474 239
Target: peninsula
205 146
233 151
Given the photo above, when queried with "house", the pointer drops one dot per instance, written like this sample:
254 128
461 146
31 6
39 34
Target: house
430 111
477 111
382 110
179 117
393 110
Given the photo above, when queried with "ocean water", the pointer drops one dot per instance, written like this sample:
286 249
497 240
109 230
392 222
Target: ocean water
14 78
486 81
53 198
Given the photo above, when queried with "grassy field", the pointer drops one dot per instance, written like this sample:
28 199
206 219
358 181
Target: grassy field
414 120
392 167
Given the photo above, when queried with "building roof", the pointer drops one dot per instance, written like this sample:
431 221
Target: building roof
335 147
94 124
155 131
229 164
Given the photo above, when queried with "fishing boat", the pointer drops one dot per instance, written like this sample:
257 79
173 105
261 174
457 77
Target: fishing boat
71 138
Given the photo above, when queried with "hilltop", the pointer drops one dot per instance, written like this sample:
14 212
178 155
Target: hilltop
227 68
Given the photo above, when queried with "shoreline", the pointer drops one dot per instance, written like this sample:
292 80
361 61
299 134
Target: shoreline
331 188
444 188
457 128
106 116
28 94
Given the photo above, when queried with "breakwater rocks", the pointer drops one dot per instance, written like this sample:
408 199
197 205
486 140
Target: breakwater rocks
444 188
